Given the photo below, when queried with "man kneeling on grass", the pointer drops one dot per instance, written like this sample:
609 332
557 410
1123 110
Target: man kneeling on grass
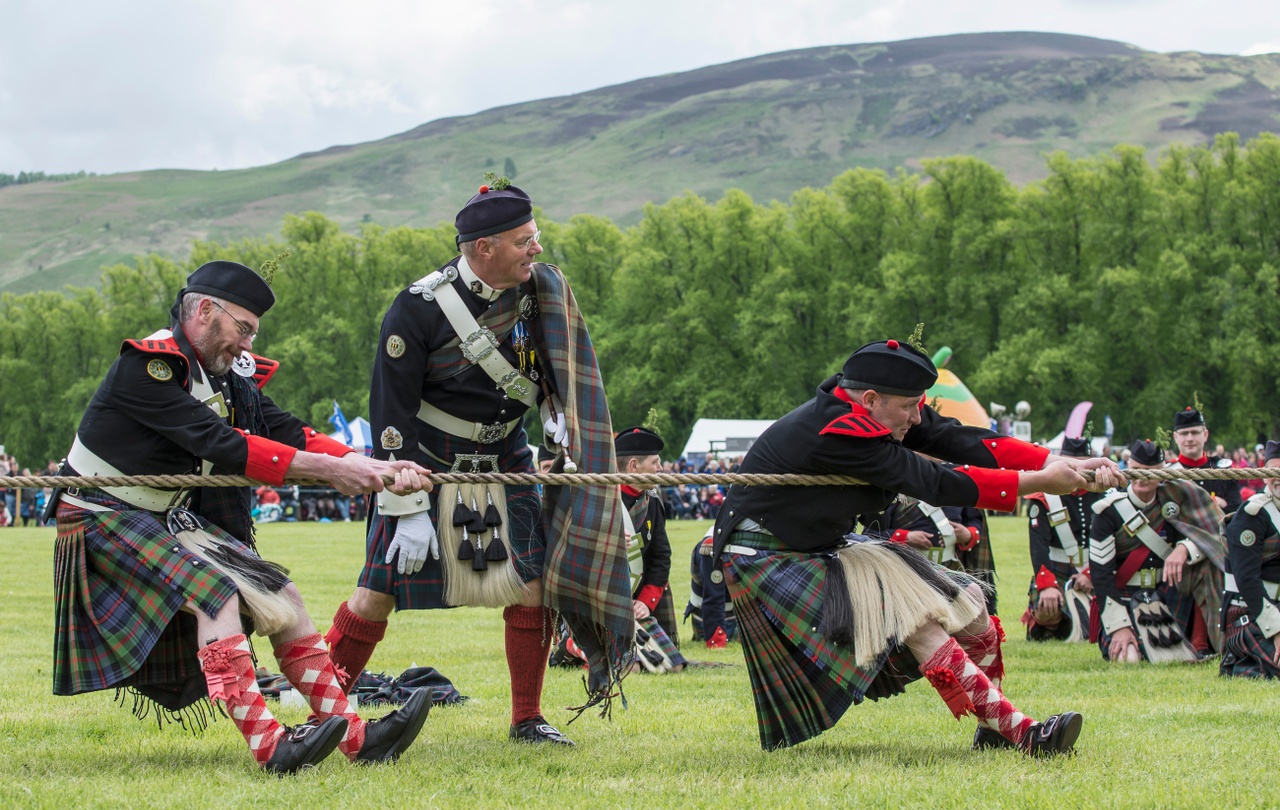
156 588
825 624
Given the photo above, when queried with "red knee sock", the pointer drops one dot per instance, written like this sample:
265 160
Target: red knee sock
305 662
228 670
351 644
1199 632
984 650
528 640
966 690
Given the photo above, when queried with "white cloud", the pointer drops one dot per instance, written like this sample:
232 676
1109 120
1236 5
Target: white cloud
144 83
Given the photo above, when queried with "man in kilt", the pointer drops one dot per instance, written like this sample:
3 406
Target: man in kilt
1058 530
1252 618
1156 556
463 353
951 536
710 611
825 624
154 585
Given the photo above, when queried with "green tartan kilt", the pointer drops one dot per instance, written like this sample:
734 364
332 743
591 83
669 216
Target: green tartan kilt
424 590
802 684
121 581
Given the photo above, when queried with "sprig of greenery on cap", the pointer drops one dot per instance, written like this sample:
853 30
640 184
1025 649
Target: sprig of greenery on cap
1164 438
917 338
493 181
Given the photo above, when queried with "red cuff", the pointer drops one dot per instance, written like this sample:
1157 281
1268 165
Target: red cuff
1045 579
1015 454
649 594
974 537
268 461
718 639
997 489
317 442
899 536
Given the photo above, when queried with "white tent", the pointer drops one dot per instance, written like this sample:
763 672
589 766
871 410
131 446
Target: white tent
361 437
724 437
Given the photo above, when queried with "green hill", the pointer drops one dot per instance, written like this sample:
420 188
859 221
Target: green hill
769 125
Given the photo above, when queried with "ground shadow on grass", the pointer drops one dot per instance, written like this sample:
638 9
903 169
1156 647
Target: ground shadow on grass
904 755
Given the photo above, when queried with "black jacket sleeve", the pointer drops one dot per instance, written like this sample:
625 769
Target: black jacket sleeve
1246 560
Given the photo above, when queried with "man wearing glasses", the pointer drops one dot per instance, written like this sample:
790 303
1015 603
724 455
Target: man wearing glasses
464 352
153 584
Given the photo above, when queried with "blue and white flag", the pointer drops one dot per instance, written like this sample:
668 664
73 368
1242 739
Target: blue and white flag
339 421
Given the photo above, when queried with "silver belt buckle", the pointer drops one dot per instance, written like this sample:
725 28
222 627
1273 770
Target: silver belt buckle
474 463
487 343
492 433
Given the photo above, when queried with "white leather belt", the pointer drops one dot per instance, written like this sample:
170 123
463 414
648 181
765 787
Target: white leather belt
1145 578
1059 556
475 431
85 462
1229 583
734 548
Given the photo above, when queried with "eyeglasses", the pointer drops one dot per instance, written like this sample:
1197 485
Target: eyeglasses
525 243
246 331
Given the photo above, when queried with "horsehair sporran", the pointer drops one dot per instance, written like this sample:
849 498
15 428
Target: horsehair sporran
499 584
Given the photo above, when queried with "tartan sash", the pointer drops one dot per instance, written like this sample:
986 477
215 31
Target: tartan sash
586 578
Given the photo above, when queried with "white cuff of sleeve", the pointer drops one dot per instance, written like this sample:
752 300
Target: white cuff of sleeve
395 505
1194 554
1269 619
1115 616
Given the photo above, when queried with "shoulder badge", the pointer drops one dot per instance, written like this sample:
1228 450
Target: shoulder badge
426 286
717 576
1170 510
856 424
1033 512
391 439
1248 537
1224 463
245 365
159 370
395 346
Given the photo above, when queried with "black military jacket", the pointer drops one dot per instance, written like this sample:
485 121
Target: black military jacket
1253 553
1228 491
830 435
1043 536
657 547
143 419
1110 545
412 330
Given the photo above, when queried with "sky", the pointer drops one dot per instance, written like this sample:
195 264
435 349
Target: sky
134 84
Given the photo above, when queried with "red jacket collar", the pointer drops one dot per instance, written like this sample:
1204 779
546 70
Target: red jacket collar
1200 462
630 490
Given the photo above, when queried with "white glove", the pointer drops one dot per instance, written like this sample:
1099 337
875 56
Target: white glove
554 426
415 537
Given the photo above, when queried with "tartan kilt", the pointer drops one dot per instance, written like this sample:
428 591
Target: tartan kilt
801 683
120 582
1247 653
665 614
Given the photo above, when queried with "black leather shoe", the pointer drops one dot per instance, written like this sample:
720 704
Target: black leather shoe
1055 735
986 738
538 730
305 746
387 737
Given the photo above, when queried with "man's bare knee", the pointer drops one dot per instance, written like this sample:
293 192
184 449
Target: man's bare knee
371 605
533 596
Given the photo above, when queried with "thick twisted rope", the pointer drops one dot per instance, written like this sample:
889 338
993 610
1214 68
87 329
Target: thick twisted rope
583 479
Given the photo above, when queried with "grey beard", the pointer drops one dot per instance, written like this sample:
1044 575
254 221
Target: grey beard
210 359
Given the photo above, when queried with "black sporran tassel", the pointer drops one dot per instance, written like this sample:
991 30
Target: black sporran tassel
466 551
495 551
837 613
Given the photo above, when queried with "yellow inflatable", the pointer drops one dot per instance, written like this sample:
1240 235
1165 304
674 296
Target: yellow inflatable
950 397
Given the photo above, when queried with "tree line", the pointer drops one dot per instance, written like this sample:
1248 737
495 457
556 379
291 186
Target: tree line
22 178
1139 286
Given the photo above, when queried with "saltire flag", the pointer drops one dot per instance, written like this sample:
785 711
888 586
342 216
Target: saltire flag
339 422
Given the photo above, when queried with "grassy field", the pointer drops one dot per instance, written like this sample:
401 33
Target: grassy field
1170 737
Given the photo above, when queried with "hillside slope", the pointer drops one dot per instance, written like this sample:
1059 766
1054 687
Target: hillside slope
769 125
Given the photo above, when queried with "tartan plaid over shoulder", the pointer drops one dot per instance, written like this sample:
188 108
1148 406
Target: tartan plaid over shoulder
585 578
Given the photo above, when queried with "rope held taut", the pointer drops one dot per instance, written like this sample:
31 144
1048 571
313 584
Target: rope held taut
582 479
